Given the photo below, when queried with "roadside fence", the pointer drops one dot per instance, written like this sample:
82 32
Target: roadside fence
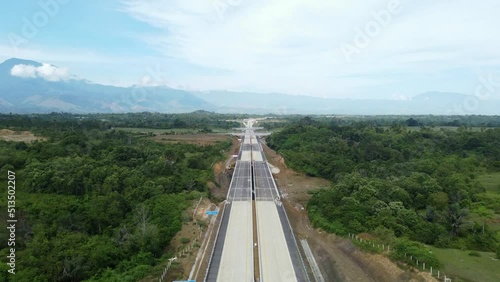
409 259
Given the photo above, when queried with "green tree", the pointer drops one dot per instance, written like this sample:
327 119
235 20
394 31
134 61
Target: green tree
484 213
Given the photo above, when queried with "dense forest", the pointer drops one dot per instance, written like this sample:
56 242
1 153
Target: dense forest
94 203
416 120
195 120
274 122
397 182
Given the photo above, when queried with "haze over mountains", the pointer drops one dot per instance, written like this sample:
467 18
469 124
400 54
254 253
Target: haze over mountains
31 87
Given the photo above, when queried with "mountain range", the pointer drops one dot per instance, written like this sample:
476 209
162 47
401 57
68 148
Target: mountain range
31 93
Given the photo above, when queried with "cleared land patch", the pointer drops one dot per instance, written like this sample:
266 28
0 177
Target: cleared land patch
19 136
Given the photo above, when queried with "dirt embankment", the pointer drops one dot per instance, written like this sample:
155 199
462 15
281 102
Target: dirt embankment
222 175
338 258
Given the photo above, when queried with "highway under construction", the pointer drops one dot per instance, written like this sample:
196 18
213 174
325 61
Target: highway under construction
255 241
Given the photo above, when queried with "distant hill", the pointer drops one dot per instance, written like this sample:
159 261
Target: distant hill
36 94
438 103
20 94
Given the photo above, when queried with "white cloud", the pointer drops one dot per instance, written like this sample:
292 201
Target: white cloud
293 45
52 73
109 69
45 71
147 80
25 71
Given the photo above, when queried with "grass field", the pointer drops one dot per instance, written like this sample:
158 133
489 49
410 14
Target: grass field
437 128
491 198
454 128
157 131
198 139
491 182
460 266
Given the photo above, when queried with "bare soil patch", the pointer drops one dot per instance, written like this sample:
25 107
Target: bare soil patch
19 136
295 185
223 175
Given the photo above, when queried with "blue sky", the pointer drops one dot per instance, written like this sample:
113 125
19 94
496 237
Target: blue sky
329 48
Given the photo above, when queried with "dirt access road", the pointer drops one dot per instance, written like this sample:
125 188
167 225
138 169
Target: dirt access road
338 258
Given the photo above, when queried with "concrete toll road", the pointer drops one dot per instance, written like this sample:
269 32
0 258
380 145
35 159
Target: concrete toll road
252 185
